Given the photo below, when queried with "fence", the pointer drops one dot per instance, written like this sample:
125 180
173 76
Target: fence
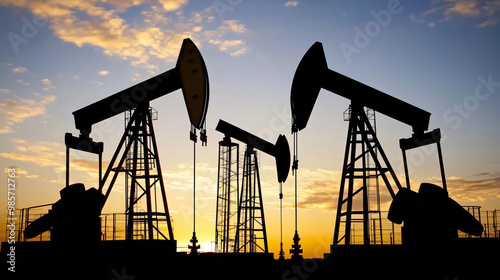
489 220
113 226
388 233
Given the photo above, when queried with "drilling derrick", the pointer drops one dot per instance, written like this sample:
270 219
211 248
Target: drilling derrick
250 232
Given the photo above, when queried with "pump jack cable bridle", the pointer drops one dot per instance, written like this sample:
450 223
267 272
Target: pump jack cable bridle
295 166
281 218
194 185
193 137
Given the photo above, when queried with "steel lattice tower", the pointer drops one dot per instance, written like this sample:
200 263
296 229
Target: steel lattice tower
147 218
251 235
227 196
362 147
373 186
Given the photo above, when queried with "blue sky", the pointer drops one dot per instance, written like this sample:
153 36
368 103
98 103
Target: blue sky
442 56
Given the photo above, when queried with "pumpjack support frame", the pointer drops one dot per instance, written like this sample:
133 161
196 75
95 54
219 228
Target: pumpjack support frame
251 233
140 133
360 134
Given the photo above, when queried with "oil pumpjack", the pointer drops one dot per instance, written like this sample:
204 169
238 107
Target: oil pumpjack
249 229
138 140
421 227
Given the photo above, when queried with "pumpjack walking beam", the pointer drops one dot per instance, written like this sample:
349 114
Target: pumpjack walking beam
312 74
250 218
191 76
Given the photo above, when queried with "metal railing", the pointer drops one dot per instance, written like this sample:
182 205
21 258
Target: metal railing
391 233
489 220
113 226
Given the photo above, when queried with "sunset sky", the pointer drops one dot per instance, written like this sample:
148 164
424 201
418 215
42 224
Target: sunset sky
442 56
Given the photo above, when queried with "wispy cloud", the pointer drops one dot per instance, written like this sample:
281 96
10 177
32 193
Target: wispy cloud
234 47
48 154
23 82
41 153
48 84
226 44
291 4
89 23
239 52
172 5
4 90
469 191
319 189
19 70
20 171
181 177
487 11
233 25
52 154
136 77
103 72
14 112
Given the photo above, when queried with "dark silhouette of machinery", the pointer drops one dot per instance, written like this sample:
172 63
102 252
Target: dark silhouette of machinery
74 217
249 228
311 75
137 145
431 218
